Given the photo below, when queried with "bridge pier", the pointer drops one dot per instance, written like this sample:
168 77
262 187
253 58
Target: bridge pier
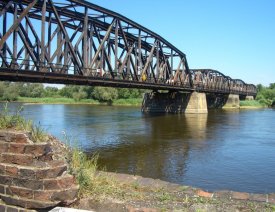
233 101
249 98
174 102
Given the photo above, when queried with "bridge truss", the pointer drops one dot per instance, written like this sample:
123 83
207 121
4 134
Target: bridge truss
77 42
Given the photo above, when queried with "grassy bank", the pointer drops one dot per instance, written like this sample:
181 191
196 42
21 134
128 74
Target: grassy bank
64 100
251 104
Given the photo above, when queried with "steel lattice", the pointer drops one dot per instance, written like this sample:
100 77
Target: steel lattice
76 42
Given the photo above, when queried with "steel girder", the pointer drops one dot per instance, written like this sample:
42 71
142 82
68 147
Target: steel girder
73 41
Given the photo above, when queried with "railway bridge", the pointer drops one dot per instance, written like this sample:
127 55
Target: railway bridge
77 42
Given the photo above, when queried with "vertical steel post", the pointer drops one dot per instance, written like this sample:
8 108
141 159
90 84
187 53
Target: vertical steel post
43 19
116 47
172 59
4 32
85 43
14 56
157 74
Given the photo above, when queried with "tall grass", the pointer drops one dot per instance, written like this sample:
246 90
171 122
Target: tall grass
91 180
15 121
251 103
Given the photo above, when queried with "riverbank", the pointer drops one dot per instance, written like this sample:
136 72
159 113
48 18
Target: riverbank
251 104
64 100
135 193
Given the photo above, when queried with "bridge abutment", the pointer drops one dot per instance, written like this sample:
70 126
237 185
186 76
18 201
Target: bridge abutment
174 102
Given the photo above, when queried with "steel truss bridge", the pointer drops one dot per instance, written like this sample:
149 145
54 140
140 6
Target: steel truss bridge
77 42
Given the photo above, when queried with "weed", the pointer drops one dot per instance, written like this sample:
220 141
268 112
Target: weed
38 133
186 200
135 185
164 197
183 188
17 122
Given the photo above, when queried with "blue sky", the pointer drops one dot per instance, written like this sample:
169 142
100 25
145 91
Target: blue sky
236 37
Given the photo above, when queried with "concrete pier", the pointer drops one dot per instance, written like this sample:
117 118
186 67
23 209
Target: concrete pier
249 98
197 103
233 101
174 102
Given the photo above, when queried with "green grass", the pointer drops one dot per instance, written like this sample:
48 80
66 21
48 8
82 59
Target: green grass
64 100
57 100
251 103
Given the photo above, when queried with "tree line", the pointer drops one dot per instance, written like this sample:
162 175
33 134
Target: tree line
11 91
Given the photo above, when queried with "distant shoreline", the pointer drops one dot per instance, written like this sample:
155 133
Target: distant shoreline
118 102
68 101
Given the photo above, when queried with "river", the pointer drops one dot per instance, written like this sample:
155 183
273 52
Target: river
223 150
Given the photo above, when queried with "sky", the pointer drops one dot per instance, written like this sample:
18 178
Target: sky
235 37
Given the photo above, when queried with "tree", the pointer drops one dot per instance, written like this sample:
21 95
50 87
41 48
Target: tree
272 85
50 91
68 90
2 89
11 92
259 87
77 96
37 90
104 94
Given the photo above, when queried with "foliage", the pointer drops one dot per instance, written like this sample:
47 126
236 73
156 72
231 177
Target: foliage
266 95
251 103
9 91
104 94
77 96
83 168
51 92
125 93
16 121
8 121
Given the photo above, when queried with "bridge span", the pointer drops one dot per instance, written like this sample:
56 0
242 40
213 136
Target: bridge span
77 42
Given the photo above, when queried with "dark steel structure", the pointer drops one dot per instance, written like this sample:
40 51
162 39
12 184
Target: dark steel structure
77 42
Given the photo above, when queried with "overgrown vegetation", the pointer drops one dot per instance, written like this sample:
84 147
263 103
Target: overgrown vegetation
266 95
18 91
86 171
251 103
93 182
15 121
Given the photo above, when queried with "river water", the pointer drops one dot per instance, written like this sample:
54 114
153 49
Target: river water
223 150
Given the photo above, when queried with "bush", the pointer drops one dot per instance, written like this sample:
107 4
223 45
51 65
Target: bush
104 94
77 96
10 93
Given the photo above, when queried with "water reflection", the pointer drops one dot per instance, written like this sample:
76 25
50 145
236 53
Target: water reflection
165 149
196 124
